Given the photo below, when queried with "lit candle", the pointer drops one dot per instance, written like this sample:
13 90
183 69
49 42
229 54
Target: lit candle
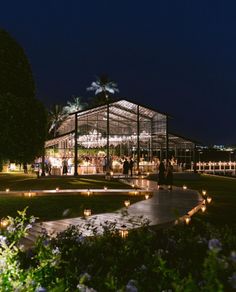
123 231
203 208
209 199
187 219
87 212
204 192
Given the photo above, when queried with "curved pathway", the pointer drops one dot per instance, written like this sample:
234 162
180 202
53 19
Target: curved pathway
162 208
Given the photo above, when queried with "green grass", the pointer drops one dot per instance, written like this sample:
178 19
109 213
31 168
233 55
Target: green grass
222 210
52 207
21 182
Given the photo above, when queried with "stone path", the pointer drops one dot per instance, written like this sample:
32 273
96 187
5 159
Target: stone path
161 208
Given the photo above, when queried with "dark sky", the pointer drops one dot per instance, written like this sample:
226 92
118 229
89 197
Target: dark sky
176 56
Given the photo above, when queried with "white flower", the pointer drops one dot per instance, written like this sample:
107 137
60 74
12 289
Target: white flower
232 280
131 286
233 256
2 239
56 250
214 244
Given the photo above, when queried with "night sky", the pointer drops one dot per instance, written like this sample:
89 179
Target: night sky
175 56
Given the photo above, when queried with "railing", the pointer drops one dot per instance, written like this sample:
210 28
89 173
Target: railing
216 167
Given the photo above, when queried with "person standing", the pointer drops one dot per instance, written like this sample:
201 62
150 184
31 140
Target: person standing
169 176
161 175
126 167
131 165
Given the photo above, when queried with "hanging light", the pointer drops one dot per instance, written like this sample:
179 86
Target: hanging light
127 203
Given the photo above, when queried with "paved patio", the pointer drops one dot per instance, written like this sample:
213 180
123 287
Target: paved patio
162 208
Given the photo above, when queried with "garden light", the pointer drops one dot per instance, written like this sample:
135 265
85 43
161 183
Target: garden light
127 203
203 208
187 219
123 231
184 187
4 222
209 199
204 192
87 212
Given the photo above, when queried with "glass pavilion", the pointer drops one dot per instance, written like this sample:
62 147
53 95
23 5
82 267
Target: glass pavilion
98 140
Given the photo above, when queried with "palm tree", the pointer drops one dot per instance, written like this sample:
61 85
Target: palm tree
75 105
56 116
103 87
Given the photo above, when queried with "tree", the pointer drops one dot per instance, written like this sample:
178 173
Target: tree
103 87
22 116
75 105
56 116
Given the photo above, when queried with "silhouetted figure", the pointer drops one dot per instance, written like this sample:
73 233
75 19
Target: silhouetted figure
25 167
161 175
64 167
126 167
169 176
131 165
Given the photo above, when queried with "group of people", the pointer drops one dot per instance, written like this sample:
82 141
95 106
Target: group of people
128 167
165 175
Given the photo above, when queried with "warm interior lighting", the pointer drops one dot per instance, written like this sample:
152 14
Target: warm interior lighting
146 196
7 190
133 185
136 192
87 212
127 203
111 173
88 192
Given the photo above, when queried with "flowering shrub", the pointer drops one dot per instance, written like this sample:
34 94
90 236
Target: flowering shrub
197 257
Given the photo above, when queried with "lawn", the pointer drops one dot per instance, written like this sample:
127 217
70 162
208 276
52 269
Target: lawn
19 181
60 206
223 192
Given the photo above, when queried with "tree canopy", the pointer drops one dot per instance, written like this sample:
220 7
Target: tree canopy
22 116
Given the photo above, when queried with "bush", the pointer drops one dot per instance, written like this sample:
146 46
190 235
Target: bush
196 257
